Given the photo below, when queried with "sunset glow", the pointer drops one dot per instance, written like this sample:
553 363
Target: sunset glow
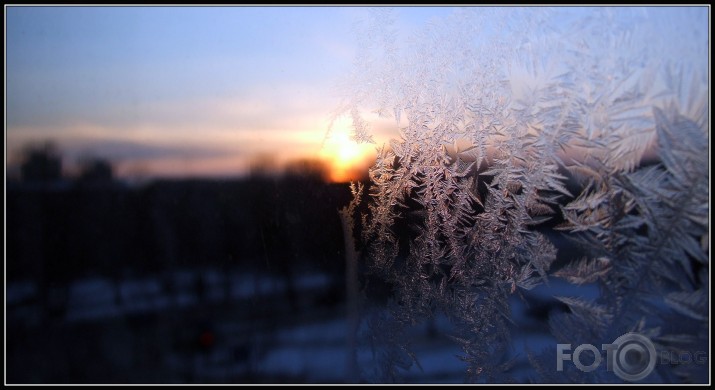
347 159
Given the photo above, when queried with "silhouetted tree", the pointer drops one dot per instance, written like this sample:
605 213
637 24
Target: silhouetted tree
95 170
306 170
41 163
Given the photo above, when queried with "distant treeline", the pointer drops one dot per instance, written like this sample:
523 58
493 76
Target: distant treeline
56 234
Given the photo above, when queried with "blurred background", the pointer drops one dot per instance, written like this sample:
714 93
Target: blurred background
183 280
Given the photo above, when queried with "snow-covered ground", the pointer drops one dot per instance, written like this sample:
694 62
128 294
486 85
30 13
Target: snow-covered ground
309 348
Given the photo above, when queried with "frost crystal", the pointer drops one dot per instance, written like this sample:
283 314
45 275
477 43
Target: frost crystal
511 120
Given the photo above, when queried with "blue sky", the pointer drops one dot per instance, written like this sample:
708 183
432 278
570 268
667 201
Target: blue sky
202 88
182 91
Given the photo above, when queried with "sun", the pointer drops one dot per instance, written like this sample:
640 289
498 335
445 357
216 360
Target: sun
345 156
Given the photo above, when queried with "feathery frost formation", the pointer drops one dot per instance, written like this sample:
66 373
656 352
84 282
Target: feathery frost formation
513 121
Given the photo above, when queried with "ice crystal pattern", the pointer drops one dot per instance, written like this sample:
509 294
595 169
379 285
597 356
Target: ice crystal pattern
511 119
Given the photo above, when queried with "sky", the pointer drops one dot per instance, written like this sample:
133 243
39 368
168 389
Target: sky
182 91
188 91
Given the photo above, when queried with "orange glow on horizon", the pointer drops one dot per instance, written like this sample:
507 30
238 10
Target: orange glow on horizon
347 159
144 152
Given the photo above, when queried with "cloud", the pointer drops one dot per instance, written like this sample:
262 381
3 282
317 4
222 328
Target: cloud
126 150
288 123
